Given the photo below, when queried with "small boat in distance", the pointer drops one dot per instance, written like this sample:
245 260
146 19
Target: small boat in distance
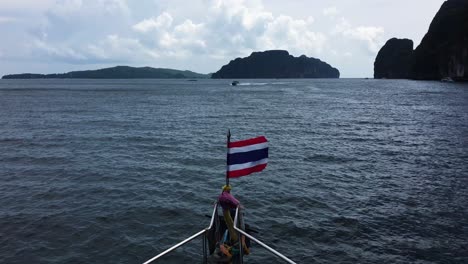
234 83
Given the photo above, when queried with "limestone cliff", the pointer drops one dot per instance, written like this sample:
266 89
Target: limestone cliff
393 60
444 49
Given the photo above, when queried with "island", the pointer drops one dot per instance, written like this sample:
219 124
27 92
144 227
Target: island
442 54
118 72
393 60
276 64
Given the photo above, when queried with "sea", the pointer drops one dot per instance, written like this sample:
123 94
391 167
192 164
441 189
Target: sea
116 171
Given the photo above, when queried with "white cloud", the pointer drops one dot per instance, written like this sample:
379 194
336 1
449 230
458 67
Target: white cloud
247 14
116 48
163 21
330 11
236 25
67 7
371 35
230 28
113 6
341 26
241 27
294 35
191 36
180 40
73 8
58 52
189 28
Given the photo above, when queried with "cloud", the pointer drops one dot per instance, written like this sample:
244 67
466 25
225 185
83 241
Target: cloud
230 28
179 40
241 27
371 35
248 15
111 31
73 8
58 52
235 26
295 35
191 36
163 21
76 21
26 4
4 19
330 11
116 48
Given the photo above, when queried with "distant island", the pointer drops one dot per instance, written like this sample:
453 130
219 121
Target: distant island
442 54
118 72
276 64
267 64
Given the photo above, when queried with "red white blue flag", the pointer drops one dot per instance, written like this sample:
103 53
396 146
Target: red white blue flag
247 156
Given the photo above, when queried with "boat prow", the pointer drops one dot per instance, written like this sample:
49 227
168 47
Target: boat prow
211 252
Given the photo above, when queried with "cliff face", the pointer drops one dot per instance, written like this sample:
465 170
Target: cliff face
393 60
444 49
276 64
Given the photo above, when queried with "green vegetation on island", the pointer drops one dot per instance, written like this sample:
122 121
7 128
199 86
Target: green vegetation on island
118 72
276 64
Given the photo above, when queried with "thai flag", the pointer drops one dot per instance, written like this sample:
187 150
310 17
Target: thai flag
247 156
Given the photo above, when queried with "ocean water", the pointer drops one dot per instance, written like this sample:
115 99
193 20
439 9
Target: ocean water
116 171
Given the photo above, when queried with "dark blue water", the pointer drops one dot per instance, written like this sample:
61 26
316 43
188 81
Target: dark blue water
115 171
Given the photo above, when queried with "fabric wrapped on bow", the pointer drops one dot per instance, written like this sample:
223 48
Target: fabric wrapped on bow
226 199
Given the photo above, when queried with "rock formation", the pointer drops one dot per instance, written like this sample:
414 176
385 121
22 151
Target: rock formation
393 60
443 51
276 64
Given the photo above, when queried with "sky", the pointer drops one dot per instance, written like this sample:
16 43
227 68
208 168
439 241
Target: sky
55 36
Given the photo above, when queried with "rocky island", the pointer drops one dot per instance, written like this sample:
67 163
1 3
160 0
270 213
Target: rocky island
443 52
118 72
393 60
276 64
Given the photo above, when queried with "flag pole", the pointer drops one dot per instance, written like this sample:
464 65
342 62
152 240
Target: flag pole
227 156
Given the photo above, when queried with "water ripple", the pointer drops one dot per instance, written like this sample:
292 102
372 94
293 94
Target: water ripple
115 171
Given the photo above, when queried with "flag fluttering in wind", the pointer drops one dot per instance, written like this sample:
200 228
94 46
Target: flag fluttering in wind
247 156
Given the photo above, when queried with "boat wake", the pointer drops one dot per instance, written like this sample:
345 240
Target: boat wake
252 84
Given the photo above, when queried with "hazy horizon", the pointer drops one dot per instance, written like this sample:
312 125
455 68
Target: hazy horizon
51 36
